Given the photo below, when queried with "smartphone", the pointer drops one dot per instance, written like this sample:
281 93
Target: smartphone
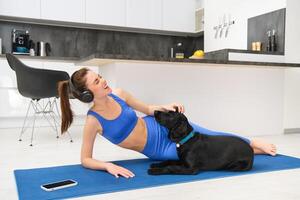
58 185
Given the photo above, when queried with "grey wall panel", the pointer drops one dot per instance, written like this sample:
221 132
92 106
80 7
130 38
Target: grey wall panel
259 25
79 42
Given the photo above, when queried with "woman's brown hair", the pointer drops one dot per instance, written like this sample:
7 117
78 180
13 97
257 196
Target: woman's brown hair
64 90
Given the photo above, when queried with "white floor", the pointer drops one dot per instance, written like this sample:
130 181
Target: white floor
49 151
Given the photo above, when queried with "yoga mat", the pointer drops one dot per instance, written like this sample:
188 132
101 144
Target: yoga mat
92 182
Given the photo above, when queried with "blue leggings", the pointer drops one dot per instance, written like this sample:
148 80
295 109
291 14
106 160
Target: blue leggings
159 146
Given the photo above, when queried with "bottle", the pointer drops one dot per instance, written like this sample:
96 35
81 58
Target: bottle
179 51
273 41
268 46
172 52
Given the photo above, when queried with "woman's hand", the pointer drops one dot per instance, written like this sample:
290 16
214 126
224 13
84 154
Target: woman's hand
173 107
118 170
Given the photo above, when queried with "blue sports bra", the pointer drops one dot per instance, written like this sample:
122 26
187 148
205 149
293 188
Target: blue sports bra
118 129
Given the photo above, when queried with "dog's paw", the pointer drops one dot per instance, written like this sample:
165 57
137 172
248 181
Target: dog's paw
155 165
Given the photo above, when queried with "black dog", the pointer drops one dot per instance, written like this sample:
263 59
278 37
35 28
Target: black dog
198 152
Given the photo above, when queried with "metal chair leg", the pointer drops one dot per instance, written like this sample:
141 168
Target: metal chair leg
23 127
32 130
44 110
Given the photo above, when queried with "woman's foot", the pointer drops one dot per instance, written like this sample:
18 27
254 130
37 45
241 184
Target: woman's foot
261 147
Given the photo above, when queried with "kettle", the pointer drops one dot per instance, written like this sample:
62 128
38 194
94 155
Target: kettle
43 48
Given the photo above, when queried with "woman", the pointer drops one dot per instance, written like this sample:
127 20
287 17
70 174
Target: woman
112 116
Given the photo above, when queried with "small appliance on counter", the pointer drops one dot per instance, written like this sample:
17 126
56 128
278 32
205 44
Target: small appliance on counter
20 42
43 48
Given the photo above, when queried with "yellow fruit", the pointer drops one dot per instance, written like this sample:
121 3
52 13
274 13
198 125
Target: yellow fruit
199 53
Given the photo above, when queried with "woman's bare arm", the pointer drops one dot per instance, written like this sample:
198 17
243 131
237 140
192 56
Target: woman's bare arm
88 140
145 108
90 131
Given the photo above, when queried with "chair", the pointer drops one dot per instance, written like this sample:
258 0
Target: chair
38 84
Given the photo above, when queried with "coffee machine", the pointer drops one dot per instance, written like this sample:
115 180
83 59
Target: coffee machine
20 42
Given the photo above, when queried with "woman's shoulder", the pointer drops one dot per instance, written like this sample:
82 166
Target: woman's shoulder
93 124
119 92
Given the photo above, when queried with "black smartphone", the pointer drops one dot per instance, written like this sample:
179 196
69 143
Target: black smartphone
58 185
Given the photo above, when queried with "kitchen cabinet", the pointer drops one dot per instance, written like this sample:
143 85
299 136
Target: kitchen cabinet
66 10
7 75
144 14
105 12
20 8
12 103
179 15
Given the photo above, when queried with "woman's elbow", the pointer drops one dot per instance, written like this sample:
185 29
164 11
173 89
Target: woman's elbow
84 162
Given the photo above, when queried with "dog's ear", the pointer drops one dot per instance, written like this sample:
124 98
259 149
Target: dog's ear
156 112
176 109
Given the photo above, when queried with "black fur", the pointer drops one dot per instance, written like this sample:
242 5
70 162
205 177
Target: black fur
201 152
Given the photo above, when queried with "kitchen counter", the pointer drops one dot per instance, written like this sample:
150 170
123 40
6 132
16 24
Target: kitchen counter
98 59
47 58
246 55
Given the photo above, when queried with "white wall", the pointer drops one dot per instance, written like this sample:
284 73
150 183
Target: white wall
292 76
243 100
240 11
199 4
292 31
292 98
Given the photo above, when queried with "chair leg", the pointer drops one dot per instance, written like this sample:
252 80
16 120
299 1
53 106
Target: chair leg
52 115
44 111
23 127
32 130
57 110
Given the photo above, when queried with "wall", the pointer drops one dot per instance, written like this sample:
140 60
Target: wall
292 99
77 42
292 76
240 11
244 100
292 31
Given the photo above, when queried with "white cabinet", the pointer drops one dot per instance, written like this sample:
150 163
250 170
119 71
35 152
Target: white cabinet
144 14
170 15
112 12
66 10
20 8
179 15
12 103
7 75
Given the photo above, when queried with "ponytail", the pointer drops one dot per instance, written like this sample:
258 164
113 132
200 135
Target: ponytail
67 113
79 82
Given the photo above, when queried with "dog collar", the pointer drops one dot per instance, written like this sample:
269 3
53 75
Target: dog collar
184 140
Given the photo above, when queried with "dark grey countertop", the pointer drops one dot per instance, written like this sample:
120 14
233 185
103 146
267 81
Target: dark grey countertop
154 59
247 51
211 61
51 58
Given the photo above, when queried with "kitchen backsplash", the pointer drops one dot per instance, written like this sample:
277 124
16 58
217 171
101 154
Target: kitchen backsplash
259 26
78 42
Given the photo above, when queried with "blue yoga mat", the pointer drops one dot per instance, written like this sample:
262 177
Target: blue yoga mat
92 182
